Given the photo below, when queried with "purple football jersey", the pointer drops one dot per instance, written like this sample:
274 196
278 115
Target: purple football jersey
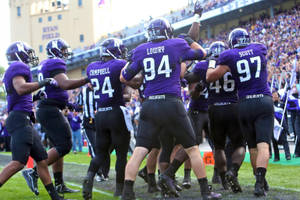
105 78
221 91
160 63
201 103
15 101
248 67
48 69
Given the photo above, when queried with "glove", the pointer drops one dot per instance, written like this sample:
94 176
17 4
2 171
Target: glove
199 86
198 9
48 81
186 37
41 95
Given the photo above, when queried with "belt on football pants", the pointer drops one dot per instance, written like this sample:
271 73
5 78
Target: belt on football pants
104 109
162 96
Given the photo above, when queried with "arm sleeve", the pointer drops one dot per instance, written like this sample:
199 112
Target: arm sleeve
132 68
56 71
21 70
190 54
224 59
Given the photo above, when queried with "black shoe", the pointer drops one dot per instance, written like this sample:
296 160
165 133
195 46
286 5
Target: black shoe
266 185
288 157
233 182
100 178
186 183
143 174
216 179
259 189
62 189
87 189
177 186
31 178
119 189
153 188
128 196
276 160
166 182
225 185
211 196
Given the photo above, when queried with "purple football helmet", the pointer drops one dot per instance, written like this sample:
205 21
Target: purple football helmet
238 37
216 48
113 47
158 29
58 48
20 51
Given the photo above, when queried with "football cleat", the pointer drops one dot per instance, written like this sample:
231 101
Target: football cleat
167 182
119 189
259 189
87 189
62 188
31 178
233 182
211 196
266 185
143 174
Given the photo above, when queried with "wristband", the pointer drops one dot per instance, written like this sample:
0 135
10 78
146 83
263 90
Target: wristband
197 18
212 64
189 40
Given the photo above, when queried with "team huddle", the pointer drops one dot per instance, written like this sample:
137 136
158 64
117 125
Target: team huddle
230 100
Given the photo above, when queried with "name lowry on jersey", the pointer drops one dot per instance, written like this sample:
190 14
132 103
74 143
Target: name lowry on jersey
154 50
95 72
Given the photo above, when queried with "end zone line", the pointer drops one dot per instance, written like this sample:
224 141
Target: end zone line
94 190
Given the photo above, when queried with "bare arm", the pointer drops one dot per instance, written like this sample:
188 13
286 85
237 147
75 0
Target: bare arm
135 82
127 93
215 74
194 31
22 87
68 84
183 69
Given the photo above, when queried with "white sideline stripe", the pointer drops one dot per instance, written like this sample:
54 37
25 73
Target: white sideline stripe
275 187
94 190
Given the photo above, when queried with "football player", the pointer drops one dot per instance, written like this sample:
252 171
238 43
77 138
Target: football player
160 59
111 127
49 110
223 117
247 63
25 140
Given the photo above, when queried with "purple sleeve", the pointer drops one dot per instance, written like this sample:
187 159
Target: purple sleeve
132 68
187 53
224 58
200 69
56 64
20 69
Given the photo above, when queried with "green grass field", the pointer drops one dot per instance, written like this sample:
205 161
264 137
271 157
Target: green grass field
282 178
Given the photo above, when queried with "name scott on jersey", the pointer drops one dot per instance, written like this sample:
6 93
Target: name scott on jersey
246 53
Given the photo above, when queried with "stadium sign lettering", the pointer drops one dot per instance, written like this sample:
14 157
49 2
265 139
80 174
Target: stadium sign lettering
50 32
